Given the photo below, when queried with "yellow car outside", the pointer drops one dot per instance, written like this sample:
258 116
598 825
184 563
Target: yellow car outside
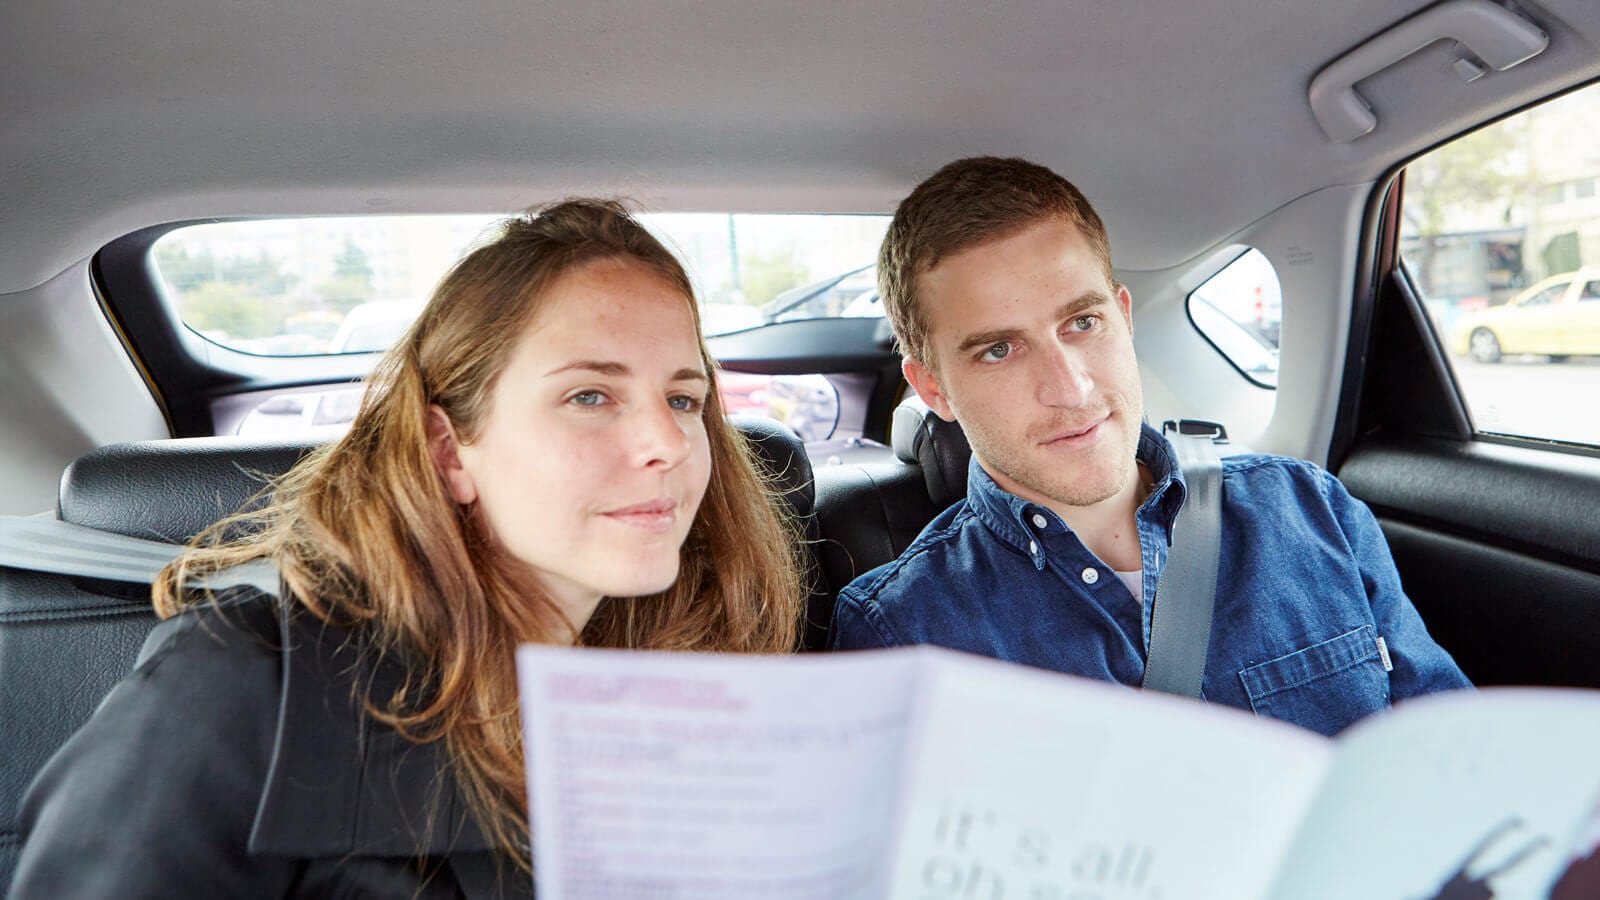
1557 317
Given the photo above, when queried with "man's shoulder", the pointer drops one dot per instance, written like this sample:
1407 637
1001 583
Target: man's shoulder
1250 461
1260 469
928 555
1274 490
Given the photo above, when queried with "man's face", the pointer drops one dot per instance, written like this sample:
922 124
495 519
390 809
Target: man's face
1032 352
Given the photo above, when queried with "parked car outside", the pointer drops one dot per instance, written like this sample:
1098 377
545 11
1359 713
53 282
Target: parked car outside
1557 317
744 392
374 326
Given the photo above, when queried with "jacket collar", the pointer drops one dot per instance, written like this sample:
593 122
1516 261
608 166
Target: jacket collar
340 783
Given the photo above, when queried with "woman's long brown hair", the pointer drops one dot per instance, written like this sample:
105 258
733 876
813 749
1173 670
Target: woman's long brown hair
366 534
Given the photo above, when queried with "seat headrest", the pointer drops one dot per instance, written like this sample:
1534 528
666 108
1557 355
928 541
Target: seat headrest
919 436
781 452
172 490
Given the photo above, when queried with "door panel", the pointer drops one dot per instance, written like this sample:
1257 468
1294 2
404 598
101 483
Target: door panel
1498 546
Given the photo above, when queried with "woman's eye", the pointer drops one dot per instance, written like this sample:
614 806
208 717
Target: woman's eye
686 403
587 398
998 351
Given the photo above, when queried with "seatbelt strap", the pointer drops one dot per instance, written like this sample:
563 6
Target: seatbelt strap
46 544
1180 618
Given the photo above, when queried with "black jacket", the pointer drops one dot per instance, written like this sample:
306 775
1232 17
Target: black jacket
235 762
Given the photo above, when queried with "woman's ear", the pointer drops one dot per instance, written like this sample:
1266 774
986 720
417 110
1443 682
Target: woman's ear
446 452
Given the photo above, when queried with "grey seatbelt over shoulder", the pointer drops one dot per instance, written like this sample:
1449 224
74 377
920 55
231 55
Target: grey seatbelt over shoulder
47 544
1180 623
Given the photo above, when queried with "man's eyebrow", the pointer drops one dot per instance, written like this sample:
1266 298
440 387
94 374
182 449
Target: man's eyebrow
619 370
987 339
1076 306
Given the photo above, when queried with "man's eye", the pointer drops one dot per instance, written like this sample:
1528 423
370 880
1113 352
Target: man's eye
1083 323
998 351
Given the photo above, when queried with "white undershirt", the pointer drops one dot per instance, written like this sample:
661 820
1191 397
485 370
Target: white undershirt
1135 582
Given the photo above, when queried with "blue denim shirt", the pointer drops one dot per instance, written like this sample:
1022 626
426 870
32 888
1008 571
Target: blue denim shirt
1305 588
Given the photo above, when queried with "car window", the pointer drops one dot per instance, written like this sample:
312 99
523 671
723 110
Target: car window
1500 236
321 286
1240 312
296 287
1545 297
809 404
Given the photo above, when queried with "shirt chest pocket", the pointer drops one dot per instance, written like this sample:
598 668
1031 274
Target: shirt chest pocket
1325 686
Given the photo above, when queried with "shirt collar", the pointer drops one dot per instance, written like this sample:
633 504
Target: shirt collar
1014 521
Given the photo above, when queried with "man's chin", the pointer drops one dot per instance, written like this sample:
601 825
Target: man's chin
1078 496
1081 486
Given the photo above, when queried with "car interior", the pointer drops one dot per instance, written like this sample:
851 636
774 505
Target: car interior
1278 182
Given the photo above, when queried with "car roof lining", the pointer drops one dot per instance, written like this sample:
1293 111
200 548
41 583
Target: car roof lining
759 106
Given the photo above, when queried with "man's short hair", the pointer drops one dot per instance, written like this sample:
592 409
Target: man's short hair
966 203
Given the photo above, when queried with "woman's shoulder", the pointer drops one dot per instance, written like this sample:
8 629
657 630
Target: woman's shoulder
186 740
240 628
334 776
220 640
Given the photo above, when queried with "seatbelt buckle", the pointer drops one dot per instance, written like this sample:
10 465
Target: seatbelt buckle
1196 428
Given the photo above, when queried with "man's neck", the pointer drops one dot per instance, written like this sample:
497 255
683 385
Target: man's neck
1110 528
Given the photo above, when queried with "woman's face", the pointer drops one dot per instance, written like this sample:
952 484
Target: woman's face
592 458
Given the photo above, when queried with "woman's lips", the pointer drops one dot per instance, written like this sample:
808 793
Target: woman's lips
653 515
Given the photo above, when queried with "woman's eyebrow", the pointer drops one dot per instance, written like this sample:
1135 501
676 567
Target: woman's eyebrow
600 367
621 370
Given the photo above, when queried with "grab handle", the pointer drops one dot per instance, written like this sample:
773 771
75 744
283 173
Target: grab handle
1493 34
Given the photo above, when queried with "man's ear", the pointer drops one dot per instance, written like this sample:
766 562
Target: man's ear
1125 300
926 384
445 449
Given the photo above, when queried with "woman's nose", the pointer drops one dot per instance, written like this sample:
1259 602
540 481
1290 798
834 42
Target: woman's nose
659 436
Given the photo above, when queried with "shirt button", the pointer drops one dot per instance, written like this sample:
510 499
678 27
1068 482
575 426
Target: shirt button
1039 521
1033 547
1091 575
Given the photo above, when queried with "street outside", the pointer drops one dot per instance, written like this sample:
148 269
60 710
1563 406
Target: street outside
1533 397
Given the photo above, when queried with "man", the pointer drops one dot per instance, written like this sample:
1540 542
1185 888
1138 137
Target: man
996 275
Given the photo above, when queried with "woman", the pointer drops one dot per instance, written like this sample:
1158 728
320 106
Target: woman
542 458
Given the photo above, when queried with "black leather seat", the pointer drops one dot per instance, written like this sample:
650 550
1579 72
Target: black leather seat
869 514
65 641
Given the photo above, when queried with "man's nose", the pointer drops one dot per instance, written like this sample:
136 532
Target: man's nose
1063 378
660 439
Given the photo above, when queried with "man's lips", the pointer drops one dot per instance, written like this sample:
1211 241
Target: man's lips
1075 433
652 515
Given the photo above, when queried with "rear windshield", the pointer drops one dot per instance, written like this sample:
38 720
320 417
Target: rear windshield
316 286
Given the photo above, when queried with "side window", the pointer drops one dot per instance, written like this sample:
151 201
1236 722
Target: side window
1500 235
1239 310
